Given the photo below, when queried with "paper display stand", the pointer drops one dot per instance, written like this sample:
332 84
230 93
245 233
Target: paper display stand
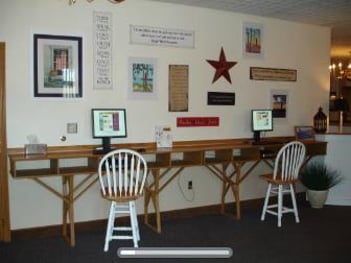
163 137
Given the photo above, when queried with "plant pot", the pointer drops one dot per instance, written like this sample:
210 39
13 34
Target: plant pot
317 199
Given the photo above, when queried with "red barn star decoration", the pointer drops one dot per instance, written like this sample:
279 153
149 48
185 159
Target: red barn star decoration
222 67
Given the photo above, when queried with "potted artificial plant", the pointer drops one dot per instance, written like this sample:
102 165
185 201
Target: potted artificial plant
318 178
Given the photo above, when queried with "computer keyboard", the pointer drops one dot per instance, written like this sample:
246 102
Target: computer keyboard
268 154
267 142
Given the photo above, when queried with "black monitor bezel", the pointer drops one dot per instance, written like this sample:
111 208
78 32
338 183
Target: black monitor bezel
123 133
106 138
253 111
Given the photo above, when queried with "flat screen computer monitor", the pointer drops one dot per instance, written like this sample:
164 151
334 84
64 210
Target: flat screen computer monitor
261 121
107 124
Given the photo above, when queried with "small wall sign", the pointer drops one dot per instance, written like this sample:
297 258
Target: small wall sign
197 121
220 98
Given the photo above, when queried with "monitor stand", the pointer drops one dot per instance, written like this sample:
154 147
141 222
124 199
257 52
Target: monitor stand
257 137
105 148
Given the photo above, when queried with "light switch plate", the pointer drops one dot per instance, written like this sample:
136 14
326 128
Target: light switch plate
72 127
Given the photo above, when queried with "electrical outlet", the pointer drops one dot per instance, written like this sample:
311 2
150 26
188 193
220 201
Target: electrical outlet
190 185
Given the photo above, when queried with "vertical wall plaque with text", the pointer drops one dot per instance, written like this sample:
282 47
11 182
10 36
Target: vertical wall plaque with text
102 50
178 88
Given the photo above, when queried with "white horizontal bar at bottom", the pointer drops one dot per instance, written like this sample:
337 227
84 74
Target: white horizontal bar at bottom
175 252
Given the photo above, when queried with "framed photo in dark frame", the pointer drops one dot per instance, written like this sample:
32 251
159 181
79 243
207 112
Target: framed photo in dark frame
57 66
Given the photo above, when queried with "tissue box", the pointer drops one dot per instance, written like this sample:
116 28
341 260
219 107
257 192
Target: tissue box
35 148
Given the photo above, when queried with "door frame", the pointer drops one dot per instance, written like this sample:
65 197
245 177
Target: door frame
5 232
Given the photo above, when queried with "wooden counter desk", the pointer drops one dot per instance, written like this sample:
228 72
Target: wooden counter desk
164 165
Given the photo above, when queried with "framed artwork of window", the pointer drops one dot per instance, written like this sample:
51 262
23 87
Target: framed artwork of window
57 66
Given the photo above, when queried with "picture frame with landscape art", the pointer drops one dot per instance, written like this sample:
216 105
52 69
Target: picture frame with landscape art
279 103
252 44
142 75
57 66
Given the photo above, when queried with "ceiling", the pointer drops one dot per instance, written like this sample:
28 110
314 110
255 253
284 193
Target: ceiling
335 14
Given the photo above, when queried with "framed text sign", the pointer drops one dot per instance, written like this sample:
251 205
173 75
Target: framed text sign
156 36
220 98
178 88
103 50
257 73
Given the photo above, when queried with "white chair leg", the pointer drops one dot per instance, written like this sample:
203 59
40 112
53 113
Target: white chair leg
265 205
134 223
293 199
110 225
280 205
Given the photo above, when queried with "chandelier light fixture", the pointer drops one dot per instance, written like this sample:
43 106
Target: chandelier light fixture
339 70
111 1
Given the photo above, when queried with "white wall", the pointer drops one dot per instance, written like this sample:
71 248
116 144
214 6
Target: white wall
286 45
337 158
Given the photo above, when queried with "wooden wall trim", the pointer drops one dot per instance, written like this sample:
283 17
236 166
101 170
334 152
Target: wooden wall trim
5 234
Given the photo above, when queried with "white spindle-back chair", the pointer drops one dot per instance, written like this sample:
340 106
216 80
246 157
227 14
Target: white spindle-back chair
285 174
122 175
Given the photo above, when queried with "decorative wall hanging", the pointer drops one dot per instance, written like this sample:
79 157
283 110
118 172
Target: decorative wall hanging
103 50
178 88
142 73
222 67
220 98
257 73
252 40
57 62
279 101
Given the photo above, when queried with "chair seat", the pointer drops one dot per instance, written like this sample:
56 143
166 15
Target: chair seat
120 196
269 178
